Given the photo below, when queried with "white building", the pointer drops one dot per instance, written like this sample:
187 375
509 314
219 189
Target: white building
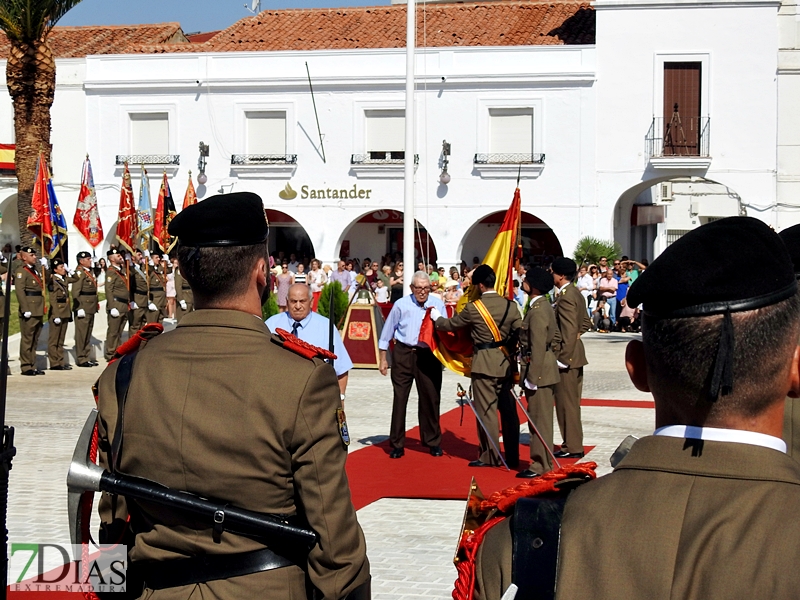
502 83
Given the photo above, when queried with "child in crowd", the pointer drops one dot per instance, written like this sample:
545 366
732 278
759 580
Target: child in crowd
381 292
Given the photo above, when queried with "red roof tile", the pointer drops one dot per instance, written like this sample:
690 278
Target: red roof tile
75 42
199 38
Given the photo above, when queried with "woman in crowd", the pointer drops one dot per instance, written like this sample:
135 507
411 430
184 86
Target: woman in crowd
100 272
452 293
316 279
301 276
384 275
171 289
284 282
396 282
601 316
370 273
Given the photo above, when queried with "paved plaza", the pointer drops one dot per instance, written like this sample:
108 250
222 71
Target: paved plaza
410 542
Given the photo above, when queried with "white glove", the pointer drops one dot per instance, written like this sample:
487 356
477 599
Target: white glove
70 272
27 314
147 253
43 261
165 257
152 307
57 321
81 313
127 256
183 304
134 306
151 263
435 314
114 313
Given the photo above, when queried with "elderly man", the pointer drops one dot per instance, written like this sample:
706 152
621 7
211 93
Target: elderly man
413 362
313 328
342 275
709 505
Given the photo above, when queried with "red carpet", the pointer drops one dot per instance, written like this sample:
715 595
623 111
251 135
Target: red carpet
373 475
619 403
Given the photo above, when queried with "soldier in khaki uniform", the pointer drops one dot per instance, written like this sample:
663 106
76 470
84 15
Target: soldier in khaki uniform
184 300
117 301
573 321
29 288
259 440
60 315
84 306
493 367
157 305
539 371
140 287
709 505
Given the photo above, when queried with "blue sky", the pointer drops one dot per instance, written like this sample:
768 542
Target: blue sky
193 15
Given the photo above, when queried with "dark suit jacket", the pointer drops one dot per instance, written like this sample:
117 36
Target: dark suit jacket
539 333
573 321
682 520
491 361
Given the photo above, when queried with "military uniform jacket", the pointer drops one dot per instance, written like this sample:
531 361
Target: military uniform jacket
203 415
182 289
685 519
140 285
158 288
539 333
116 290
59 298
573 321
491 361
27 283
84 291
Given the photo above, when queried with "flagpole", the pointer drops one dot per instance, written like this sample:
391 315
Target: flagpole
409 266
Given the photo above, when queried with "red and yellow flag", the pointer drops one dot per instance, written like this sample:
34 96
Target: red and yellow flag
40 223
190 197
87 216
454 350
127 220
165 211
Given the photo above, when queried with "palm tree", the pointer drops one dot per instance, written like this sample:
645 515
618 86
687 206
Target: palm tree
31 81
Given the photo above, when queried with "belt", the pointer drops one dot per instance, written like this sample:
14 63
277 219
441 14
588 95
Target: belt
123 300
155 289
27 293
89 294
159 575
412 348
61 300
489 345
186 287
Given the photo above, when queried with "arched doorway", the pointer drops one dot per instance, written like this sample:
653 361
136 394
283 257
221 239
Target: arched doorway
651 215
379 233
287 236
538 239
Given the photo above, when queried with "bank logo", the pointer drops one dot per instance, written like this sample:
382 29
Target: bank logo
287 193
50 568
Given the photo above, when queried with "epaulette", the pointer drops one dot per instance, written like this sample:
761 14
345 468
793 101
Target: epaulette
141 337
304 349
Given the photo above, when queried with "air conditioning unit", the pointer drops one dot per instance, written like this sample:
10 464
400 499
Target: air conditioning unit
666 191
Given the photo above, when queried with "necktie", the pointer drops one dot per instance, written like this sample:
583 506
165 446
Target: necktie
295 327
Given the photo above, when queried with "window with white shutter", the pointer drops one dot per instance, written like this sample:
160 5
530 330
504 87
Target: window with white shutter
511 130
386 134
149 134
266 132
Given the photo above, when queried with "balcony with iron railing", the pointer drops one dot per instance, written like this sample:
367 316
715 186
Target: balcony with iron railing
379 164
679 142
504 165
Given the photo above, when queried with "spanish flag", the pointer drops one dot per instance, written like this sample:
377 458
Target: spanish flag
454 350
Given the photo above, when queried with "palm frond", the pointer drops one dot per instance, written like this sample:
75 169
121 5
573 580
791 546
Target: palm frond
32 20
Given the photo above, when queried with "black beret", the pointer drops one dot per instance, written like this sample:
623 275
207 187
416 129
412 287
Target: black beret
56 262
717 254
113 251
564 266
28 249
539 279
791 237
481 274
227 220
82 255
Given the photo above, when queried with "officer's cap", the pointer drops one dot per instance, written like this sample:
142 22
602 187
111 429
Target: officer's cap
84 254
227 220
737 264
539 279
791 237
56 262
28 249
481 274
564 266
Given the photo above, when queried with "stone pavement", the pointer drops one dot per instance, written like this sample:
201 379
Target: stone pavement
410 542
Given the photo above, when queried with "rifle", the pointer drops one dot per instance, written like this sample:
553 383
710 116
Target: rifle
7 450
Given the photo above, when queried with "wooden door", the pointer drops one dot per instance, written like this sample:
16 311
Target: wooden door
682 126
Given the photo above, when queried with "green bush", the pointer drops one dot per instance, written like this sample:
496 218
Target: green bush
270 307
340 301
589 250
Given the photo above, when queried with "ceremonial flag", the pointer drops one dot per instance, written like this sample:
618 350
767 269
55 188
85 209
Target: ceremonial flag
57 220
454 350
190 197
127 224
145 212
39 221
165 211
87 216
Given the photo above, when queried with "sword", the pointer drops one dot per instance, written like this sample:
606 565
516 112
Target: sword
84 478
465 396
535 430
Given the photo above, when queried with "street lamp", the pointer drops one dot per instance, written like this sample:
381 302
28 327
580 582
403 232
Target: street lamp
444 177
202 178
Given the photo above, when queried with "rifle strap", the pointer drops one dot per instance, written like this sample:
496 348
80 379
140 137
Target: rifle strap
122 383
